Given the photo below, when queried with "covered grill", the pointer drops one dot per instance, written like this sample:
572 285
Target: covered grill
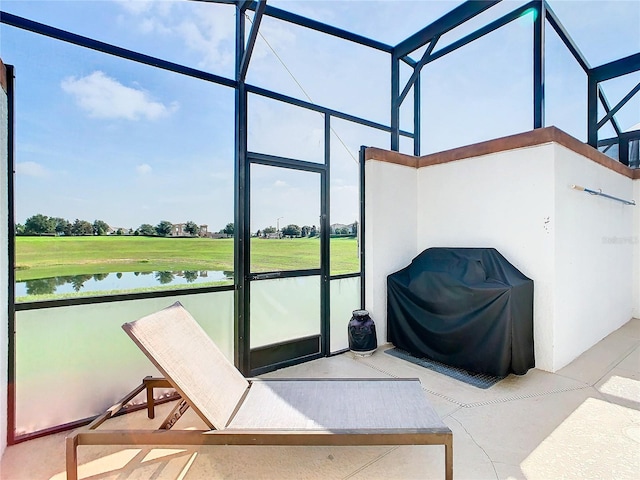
464 307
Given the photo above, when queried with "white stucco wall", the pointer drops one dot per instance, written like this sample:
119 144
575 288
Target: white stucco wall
504 201
579 249
594 251
4 269
390 232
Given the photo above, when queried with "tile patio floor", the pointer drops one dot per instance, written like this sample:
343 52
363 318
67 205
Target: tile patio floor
582 422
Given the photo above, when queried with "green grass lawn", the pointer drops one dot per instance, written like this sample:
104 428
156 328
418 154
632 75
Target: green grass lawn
42 257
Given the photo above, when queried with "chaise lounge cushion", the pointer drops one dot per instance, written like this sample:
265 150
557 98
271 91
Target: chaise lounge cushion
184 353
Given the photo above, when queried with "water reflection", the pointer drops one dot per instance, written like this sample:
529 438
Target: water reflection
117 281
164 277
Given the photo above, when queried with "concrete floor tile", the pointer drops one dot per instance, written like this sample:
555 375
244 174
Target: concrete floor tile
431 381
339 366
630 329
420 462
632 361
508 432
597 440
593 364
470 461
405 462
442 406
535 382
36 459
229 463
275 463
621 387
508 472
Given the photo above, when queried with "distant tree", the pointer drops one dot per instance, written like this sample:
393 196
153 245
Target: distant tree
164 277
81 227
42 286
77 281
291 231
190 275
342 231
191 228
305 231
164 228
229 229
119 232
19 229
258 233
146 230
268 230
62 226
100 227
313 232
39 225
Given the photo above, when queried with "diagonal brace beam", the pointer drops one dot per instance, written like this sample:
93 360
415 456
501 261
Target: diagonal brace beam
607 109
620 104
417 68
451 20
566 39
253 35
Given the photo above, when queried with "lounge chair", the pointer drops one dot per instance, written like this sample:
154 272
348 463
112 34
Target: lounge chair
344 412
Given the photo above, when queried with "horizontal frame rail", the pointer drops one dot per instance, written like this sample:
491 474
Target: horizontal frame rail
449 21
312 106
75 39
481 32
323 28
67 302
283 162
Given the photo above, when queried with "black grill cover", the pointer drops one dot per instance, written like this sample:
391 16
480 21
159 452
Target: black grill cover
464 307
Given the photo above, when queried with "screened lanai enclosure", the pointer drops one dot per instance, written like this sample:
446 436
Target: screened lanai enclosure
225 170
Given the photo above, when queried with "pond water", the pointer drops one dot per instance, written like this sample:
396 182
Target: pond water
117 281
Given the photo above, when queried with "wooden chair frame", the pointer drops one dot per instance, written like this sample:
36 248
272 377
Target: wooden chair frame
239 411
164 436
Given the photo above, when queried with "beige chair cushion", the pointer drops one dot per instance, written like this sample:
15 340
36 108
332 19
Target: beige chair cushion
178 346
336 405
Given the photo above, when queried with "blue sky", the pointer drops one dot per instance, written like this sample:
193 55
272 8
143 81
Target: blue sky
103 138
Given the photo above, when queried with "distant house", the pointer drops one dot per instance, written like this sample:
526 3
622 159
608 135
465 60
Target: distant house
114 231
178 230
340 228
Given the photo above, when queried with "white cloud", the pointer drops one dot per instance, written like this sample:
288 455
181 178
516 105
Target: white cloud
154 25
31 169
211 35
280 184
144 169
280 37
207 29
104 97
136 6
